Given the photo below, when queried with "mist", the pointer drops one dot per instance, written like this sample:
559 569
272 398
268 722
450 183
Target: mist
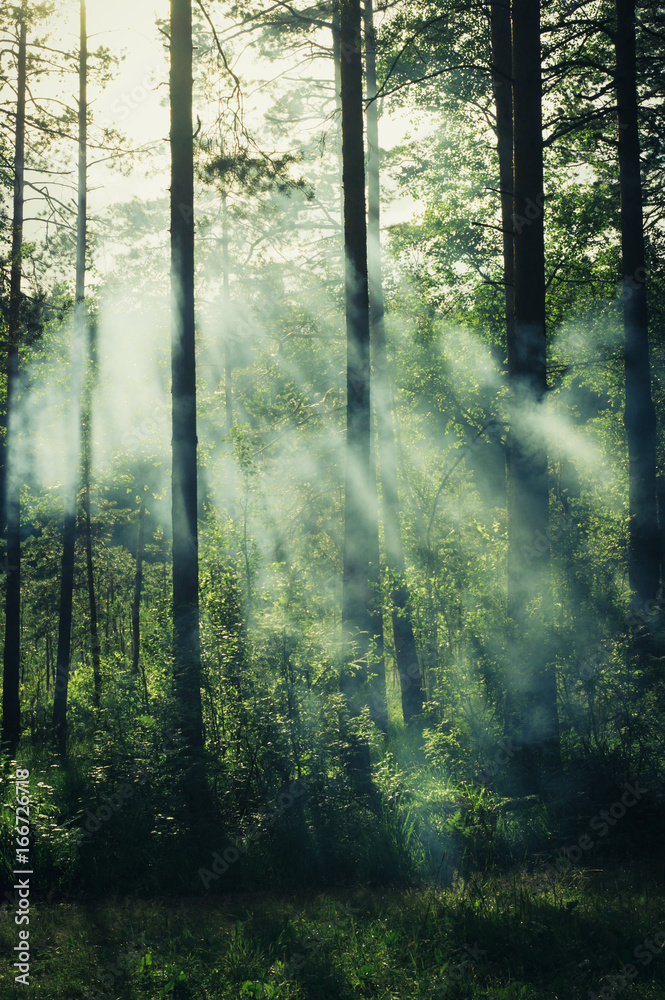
414 569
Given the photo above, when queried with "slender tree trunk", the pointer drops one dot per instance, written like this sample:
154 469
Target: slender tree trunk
90 573
378 701
86 461
77 379
47 644
228 385
11 709
406 652
138 583
533 682
660 496
639 414
337 63
360 491
502 83
186 638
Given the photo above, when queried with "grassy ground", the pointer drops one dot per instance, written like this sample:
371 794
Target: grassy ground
501 936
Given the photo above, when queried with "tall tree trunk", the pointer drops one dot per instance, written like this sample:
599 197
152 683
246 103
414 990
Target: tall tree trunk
86 462
186 638
502 84
360 491
660 497
11 709
77 379
138 582
406 652
533 681
639 414
90 573
377 695
337 63
228 386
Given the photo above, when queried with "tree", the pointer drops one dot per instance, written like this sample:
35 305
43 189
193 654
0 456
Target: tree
11 710
502 72
138 583
186 641
532 697
644 543
359 491
406 652
77 381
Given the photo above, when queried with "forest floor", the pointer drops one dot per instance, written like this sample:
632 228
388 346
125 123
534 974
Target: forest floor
520 934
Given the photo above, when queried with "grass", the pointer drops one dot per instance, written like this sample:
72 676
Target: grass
522 935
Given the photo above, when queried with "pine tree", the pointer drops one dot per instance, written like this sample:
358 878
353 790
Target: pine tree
186 640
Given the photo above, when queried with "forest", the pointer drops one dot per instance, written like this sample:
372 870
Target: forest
332 499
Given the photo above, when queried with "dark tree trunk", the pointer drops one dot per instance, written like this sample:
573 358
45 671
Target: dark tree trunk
228 385
406 652
138 583
360 525
186 639
532 702
77 377
64 627
378 701
639 414
660 494
90 573
11 709
502 83
48 663
86 458
337 62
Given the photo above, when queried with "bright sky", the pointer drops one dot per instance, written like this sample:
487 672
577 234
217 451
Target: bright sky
135 101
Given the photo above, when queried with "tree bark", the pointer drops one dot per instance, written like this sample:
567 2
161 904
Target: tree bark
644 553
378 701
77 380
337 63
532 701
360 492
406 653
502 84
186 638
11 709
90 573
138 583
228 385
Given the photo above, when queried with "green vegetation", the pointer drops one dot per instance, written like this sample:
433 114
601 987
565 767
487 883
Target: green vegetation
346 674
